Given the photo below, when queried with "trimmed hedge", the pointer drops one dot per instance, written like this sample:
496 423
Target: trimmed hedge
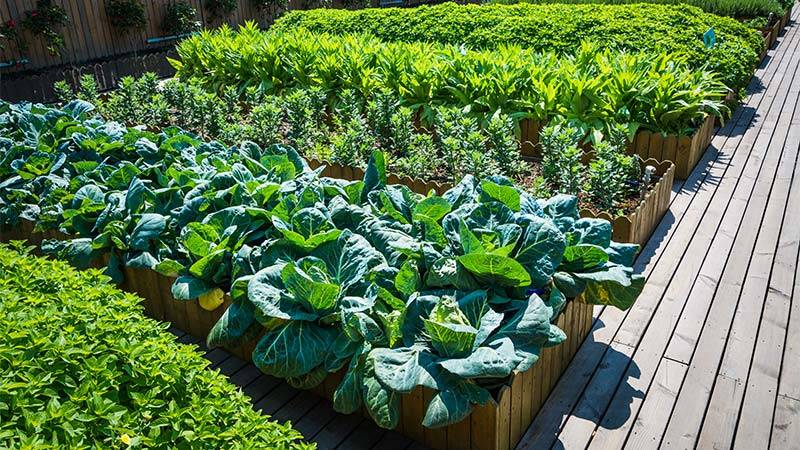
595 85
737 9
82 367
676 29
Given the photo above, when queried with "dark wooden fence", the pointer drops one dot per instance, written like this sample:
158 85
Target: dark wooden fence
89 37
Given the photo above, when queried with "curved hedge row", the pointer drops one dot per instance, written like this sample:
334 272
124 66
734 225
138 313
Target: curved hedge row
84 368
676 29
737 9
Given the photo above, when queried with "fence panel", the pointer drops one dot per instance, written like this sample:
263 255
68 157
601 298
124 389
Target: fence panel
89 36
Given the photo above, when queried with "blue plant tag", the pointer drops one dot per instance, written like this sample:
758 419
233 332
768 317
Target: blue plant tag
709 38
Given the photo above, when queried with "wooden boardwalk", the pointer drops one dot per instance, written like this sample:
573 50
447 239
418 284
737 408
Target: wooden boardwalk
709 356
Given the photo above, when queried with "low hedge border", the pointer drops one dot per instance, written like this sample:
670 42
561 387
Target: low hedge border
84 368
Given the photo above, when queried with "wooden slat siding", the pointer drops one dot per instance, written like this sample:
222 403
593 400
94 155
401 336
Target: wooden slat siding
669 148
412 413
710 240
655 146
458 435
686 209
89 35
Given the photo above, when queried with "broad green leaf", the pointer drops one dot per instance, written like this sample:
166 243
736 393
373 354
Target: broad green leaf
431 208
613 286
397 369
383 404
507 195
189 288
494 361
292 350
541 249
582 258
446 408
449 329
495 269
148 228
317 297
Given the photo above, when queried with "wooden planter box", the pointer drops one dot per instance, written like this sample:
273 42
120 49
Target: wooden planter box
336 170
684 151
493 426
637 226
529 138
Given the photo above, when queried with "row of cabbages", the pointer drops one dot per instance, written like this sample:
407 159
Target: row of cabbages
451 292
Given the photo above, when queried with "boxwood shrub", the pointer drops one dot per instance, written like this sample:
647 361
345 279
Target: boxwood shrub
737 9
676 29
82 367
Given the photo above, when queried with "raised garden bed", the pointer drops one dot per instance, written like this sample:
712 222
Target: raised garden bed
684 151
492 426
634 227
637 226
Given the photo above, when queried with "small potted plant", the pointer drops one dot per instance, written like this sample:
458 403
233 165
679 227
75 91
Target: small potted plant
126 15
180 19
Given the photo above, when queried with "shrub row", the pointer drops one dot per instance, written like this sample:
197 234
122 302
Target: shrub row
594 86
675 29
456 292
84 368
743 10
456 145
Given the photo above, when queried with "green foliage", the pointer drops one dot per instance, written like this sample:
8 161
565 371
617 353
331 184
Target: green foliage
180 18
347 135
737 9
46 20
451 292
84 368
651 28
562 168
86 90
609 178
220 8
593 85
126 15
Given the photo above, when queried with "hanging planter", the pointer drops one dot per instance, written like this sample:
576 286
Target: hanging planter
126 15
46 21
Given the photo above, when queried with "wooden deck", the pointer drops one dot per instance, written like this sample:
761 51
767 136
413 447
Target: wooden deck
709 356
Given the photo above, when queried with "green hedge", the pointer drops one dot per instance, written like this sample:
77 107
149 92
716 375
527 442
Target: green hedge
676 29
737 9
595 86
82 367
